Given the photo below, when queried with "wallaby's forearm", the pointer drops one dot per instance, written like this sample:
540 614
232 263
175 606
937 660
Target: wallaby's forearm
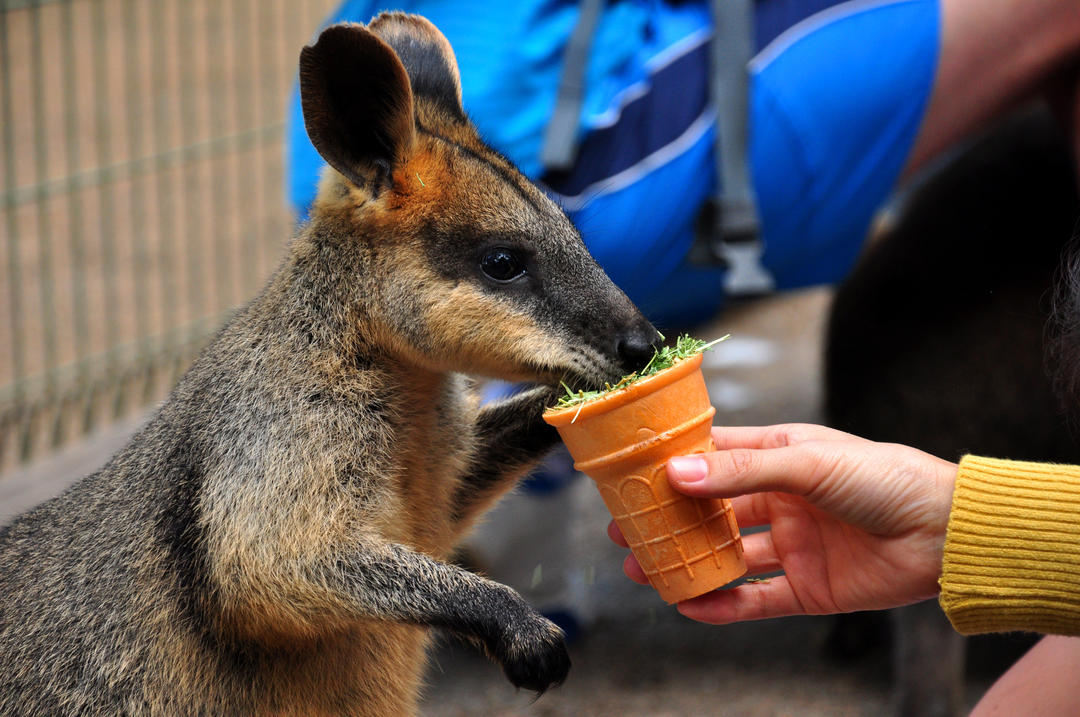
392 582
513 438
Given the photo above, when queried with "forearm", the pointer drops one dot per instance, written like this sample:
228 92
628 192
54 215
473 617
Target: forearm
513 439
994 53
1035 685
1012 552
391 582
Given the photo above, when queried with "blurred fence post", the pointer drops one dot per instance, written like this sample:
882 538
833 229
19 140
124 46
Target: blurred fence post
141 178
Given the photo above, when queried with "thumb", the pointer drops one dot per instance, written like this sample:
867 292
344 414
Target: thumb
687 471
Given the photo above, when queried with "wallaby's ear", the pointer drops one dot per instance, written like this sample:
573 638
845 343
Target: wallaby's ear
427 56
357 103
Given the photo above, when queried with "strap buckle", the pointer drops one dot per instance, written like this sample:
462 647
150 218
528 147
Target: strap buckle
728 235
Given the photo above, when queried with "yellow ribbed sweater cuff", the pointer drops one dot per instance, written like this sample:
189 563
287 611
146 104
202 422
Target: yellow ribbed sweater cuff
1012 551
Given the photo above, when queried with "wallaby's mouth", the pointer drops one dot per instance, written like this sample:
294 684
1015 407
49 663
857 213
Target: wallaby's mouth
589 369
590 365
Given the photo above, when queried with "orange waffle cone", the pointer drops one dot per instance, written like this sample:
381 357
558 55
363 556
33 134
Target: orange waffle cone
622 440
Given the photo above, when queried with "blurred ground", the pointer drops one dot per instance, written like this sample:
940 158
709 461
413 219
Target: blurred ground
637 656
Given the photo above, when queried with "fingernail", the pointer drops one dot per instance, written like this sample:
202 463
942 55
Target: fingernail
688 469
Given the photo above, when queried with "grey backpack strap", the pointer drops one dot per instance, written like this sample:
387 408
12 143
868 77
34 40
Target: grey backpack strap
730 227
560 136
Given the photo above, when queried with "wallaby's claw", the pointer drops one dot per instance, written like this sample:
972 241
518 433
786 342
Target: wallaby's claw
534 655
544 396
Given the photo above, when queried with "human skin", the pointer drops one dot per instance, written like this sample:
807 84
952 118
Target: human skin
994 55
852 523
1034 685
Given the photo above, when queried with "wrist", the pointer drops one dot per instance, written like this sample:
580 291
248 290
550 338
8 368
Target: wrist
945 476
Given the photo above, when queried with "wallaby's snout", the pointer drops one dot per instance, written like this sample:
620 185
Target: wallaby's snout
602 335
636 344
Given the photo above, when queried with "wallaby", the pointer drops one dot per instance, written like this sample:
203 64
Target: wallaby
274 540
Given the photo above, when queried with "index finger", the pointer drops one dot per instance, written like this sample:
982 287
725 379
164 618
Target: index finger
775 436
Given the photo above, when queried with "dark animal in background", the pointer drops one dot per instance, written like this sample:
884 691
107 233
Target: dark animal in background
274 541
940 338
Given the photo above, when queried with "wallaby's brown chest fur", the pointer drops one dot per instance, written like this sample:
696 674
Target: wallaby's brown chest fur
274 541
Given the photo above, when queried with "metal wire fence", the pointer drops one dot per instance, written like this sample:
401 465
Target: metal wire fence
141 180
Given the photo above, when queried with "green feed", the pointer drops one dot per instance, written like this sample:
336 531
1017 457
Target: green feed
663 358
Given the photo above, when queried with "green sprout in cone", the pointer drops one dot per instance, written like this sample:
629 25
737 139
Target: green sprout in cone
665 357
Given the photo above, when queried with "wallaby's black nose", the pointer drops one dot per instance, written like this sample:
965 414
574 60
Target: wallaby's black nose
635 347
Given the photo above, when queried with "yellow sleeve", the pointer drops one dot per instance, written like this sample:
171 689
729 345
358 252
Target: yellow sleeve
1012 551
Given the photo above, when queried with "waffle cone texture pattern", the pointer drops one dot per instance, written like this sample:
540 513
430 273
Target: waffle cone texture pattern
623 440
1012 551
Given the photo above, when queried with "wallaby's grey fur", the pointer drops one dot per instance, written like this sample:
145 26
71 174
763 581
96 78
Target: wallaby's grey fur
273 542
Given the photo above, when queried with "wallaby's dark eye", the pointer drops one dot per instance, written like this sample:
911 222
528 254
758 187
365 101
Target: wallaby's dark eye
502 265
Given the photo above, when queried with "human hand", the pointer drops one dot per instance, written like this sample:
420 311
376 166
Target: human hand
854 524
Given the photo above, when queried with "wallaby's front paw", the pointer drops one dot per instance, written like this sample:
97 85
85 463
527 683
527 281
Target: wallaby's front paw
548 396
534 654
540 398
